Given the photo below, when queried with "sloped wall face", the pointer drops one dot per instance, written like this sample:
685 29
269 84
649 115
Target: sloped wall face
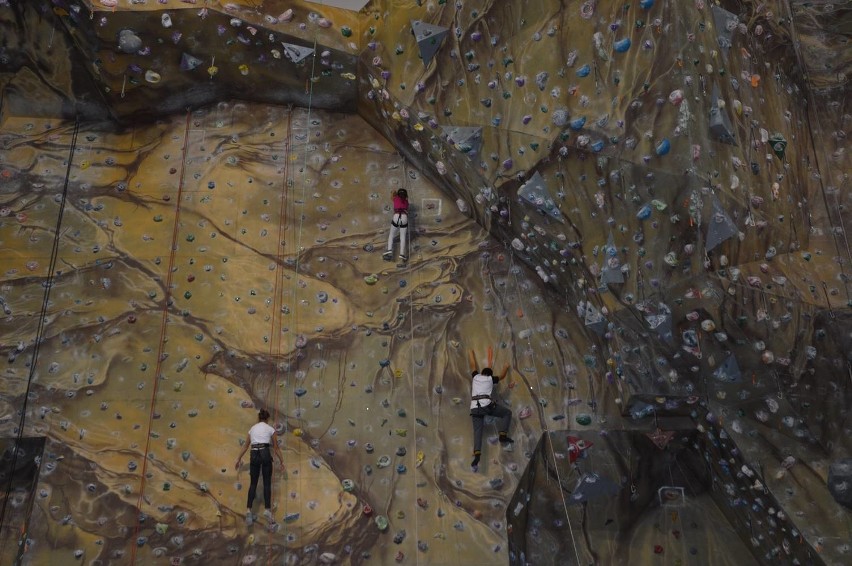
570 508
741 492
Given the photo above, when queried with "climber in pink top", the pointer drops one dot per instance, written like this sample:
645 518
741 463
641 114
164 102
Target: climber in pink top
399 225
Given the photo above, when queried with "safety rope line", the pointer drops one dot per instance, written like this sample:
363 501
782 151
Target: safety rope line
411 364
294 312
167 299
40 328
275 344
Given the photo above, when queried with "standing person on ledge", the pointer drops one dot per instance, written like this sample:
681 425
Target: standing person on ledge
260 438
481 405
399 225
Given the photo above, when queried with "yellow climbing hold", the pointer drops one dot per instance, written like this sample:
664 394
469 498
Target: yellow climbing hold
420 457
297 432
348 76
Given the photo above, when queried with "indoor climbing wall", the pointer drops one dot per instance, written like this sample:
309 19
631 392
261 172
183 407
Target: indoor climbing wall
639 206
230 259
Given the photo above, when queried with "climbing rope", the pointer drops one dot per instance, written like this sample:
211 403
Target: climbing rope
275 347
39 334
294 312
161 342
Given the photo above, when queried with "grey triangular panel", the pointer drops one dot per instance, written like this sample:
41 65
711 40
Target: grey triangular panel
728 371
662 324
612 275
610 249
467 139
429 38
594 320
720 123
720 227
722 21
297 53
535 192
611 272
189 62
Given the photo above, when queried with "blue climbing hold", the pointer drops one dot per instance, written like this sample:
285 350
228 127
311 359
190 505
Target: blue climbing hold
384 363
646 4
622 45
597 146
664 147
584 71
301 391
578 123
644 212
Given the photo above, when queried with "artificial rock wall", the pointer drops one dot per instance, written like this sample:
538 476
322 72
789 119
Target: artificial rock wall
626 153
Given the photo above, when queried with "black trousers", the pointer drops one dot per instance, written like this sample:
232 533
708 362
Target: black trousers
261 462
503 414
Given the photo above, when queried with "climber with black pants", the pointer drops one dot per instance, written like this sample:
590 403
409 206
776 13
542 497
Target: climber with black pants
482 405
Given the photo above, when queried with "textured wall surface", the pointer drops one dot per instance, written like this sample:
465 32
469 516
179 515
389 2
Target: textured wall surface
641 207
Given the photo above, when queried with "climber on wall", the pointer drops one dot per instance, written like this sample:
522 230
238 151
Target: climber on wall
399 225
260 438
482 405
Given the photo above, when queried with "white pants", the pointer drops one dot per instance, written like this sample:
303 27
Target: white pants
399 225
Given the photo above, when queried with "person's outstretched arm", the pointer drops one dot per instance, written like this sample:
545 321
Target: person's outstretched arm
278 450
502 375
242 453
471 360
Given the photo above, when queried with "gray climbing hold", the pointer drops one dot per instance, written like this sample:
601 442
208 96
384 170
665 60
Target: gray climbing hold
128 41
429 38
721 226
535 192
720 123
840 481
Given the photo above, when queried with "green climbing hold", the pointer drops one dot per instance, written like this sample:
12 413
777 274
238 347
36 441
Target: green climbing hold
346 31
583 419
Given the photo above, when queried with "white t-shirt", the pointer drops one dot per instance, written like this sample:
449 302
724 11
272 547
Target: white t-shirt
261 433
481 385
